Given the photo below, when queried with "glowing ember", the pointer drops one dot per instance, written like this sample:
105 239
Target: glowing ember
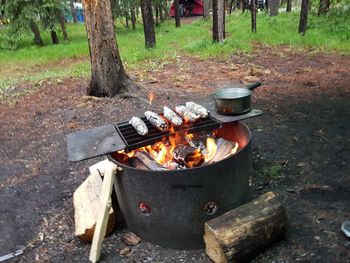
151 97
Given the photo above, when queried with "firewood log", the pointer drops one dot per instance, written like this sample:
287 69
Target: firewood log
242 232
86 200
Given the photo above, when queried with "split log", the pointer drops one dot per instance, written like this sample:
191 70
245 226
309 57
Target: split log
223 149
242 232
143 160
99 168
87 203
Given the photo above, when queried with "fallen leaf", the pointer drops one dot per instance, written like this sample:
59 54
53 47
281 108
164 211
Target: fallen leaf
130 239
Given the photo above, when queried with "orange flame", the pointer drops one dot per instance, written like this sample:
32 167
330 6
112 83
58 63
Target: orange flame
151 97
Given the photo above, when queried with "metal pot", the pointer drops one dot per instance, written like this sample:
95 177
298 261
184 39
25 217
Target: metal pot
234 101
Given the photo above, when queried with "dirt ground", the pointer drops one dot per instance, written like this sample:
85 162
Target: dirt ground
300 151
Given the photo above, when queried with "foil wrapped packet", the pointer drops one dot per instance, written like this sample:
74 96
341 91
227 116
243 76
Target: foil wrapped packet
156 120
172 116
198 109
139 125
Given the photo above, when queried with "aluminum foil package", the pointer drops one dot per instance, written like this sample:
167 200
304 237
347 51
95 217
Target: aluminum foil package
139 125
156 120
186 113
198 109
172 116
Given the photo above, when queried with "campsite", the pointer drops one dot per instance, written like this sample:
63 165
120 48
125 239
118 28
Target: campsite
73 166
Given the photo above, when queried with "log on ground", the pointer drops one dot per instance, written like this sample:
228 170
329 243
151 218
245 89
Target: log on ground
242 232
86 201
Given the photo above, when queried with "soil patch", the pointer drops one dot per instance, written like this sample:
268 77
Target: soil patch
300 150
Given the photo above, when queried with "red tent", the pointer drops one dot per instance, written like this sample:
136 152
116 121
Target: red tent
188 8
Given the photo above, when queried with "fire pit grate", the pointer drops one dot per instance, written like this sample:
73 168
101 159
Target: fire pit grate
133 140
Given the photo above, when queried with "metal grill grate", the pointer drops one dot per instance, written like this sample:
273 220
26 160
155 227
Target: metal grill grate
133 140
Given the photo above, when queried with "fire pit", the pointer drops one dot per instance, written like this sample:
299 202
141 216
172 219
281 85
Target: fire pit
170 206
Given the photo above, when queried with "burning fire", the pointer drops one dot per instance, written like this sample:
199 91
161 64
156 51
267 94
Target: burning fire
185 151
151 97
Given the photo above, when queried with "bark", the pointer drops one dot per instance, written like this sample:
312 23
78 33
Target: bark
161 16
108 76
273 5
177 13
206 6
63 24
232 6
289 6
126 19
303 16
253 5
54 37
157 14
72 9
218 21
241 233
242 6
323 7
37 36
133 18
148 23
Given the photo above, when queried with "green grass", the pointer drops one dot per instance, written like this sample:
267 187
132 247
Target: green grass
30 63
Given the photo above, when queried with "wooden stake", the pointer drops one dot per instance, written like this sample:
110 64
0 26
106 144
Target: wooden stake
106 204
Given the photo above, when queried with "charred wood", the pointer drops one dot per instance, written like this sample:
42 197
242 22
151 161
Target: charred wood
145 160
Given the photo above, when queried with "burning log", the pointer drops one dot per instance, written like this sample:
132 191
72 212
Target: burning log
156 120
86 200
224 148
172 116
139 125
188 155
198 109
143 160
186 113
243 231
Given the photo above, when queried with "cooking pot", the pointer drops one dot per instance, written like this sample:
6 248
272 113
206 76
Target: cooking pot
234 101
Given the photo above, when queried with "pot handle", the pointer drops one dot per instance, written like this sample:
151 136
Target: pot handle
253 86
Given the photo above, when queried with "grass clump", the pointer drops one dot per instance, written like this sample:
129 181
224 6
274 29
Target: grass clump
28 62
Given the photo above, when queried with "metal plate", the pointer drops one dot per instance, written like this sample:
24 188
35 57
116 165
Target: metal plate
93 142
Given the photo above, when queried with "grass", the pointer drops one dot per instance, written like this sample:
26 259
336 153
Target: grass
31 63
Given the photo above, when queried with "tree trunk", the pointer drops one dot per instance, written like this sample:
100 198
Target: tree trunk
157 14
218 20
133 18
108 76
177 13
238 234
54 37
243 6
63 24
303 16
232 6
148 23
323 7
37 37
289 6
206 7
126 19
161 17
72 9
253 5
273 5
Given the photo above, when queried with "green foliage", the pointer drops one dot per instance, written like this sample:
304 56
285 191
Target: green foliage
273 171
21 12
327 33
